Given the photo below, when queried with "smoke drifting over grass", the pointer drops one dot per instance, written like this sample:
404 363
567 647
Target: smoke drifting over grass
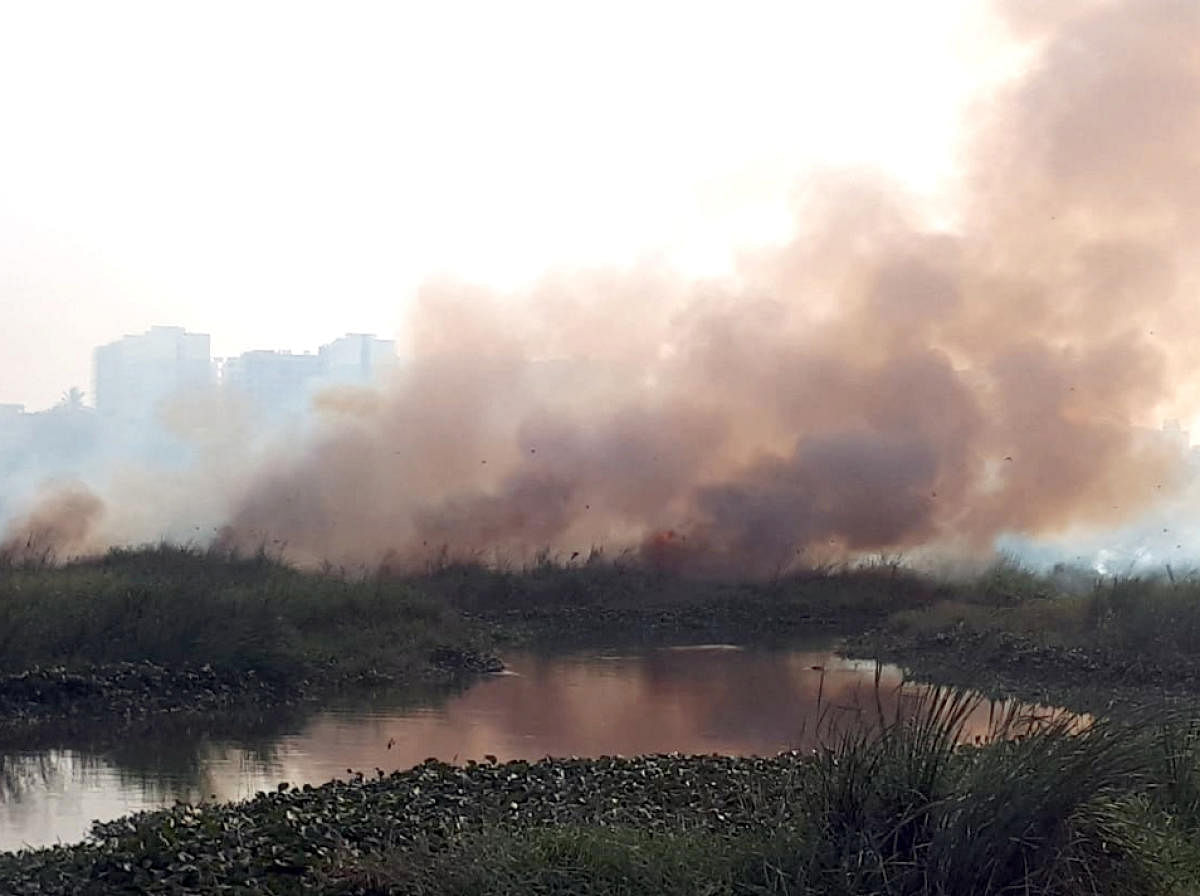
875 384
65 517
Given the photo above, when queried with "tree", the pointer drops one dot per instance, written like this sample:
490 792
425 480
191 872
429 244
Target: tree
72 399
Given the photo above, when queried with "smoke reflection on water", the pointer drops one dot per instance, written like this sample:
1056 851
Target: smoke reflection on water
711 699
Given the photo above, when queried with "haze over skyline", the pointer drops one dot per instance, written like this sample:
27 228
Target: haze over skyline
729 290
272 173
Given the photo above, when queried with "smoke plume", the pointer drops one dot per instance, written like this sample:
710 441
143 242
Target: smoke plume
879 383
62 523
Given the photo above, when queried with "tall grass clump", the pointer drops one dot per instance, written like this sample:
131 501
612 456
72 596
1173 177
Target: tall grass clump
1054 805
1039 808
1146 614
568 860
180 606
872 588
1132 628
1174 746
1007 582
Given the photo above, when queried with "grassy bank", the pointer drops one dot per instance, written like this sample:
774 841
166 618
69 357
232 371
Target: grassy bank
162 628
1088 644
569 605
176 607
1112 809
139 631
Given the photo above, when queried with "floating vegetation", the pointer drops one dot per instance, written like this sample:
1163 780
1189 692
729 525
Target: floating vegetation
1062 809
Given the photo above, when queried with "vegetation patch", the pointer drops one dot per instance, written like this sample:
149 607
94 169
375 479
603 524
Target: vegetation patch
167 629
1100 645
1107 808
567 605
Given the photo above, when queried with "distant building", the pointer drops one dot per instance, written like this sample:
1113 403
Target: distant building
280 383
273 382
135 373
357 358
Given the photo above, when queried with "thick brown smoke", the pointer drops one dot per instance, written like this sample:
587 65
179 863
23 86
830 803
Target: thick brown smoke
879 383
60 525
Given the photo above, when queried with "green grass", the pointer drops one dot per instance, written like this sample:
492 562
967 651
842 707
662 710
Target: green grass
1150 617
565 604
1063 638
184 607
180 606
581 859
867 588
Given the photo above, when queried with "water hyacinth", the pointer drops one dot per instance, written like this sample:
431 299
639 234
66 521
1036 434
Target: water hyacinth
1053 806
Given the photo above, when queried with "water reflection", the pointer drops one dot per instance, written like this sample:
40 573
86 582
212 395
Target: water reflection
693 700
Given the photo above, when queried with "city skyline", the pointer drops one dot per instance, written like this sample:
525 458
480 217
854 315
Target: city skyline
329 358
160 400
315 203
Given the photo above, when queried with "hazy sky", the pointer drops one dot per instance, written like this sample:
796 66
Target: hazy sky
278 173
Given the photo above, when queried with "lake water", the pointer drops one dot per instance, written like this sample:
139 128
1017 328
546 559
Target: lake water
708 699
